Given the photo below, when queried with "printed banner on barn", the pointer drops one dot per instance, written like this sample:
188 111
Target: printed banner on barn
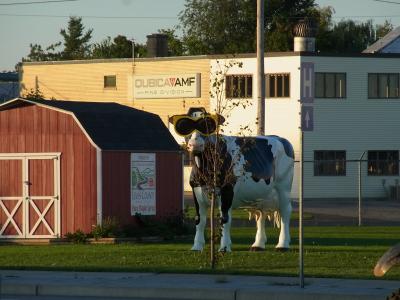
143 184
166 86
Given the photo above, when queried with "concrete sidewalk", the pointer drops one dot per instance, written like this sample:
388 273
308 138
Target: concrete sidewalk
187 286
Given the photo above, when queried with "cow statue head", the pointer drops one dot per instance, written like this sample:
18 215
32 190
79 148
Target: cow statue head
196 126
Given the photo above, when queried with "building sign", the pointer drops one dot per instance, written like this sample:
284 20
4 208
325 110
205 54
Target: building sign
167 86
307 118
143 183
307 82
307 85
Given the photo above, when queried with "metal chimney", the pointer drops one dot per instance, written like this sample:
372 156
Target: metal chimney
157 45
304 36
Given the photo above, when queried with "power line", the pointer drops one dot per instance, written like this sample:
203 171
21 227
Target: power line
89 17
35 2
386 1
167 17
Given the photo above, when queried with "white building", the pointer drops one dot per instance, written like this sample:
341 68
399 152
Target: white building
356 114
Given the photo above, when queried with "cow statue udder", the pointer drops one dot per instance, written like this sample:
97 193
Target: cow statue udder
263 173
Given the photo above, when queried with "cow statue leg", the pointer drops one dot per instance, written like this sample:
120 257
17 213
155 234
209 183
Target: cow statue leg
202 203
226 234
226 217
261 237
285 210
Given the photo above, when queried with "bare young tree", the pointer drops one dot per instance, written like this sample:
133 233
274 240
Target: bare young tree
218 169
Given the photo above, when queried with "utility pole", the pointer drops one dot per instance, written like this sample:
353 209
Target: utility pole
133 54
260 69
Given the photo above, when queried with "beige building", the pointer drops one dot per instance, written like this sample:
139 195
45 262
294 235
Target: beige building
119 80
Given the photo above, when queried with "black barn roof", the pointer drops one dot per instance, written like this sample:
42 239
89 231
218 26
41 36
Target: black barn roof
113 126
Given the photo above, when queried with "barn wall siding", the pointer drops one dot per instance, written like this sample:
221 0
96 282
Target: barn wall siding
117 186
34 129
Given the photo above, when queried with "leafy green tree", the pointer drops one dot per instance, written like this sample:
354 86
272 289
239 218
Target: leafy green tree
349 36
119 47
346 36
76 44
382 29
175 44
229 26
76 41
37 53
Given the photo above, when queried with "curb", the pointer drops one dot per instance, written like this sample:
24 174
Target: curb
194 293
117 292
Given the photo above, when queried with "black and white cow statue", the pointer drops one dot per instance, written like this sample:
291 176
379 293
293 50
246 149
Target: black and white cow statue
262 178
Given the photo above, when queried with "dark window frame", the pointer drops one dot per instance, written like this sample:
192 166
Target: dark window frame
285 85
378 166
232 79
380 75
106 83
323 166
335 88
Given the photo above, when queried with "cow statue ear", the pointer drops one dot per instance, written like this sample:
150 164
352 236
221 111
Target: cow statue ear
171 119
221 119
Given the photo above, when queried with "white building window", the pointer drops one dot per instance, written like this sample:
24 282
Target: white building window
330 85
383 85
277 85
239 86
329 163
383 163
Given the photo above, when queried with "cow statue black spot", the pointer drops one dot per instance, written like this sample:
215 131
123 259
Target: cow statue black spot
262 178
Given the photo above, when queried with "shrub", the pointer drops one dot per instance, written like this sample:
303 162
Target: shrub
110 227
77 237
167 227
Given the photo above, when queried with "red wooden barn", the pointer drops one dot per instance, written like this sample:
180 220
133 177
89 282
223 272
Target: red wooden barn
67 165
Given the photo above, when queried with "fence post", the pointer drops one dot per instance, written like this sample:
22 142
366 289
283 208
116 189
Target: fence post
359 190
301 194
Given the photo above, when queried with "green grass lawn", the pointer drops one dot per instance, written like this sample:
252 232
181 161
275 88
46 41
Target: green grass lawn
344 252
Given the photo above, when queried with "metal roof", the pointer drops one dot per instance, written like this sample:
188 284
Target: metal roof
382 43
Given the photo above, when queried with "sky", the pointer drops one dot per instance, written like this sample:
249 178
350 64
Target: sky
40 23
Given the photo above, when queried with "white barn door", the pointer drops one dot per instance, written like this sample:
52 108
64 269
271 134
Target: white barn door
29 195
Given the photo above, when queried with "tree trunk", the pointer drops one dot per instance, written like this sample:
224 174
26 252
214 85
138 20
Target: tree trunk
212 230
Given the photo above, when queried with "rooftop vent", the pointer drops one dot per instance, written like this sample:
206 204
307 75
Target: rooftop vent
304 36
157 45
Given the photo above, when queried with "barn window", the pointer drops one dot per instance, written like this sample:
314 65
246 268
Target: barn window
329 163
277 85
110 81
239 86
383 85
330 85
383 163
